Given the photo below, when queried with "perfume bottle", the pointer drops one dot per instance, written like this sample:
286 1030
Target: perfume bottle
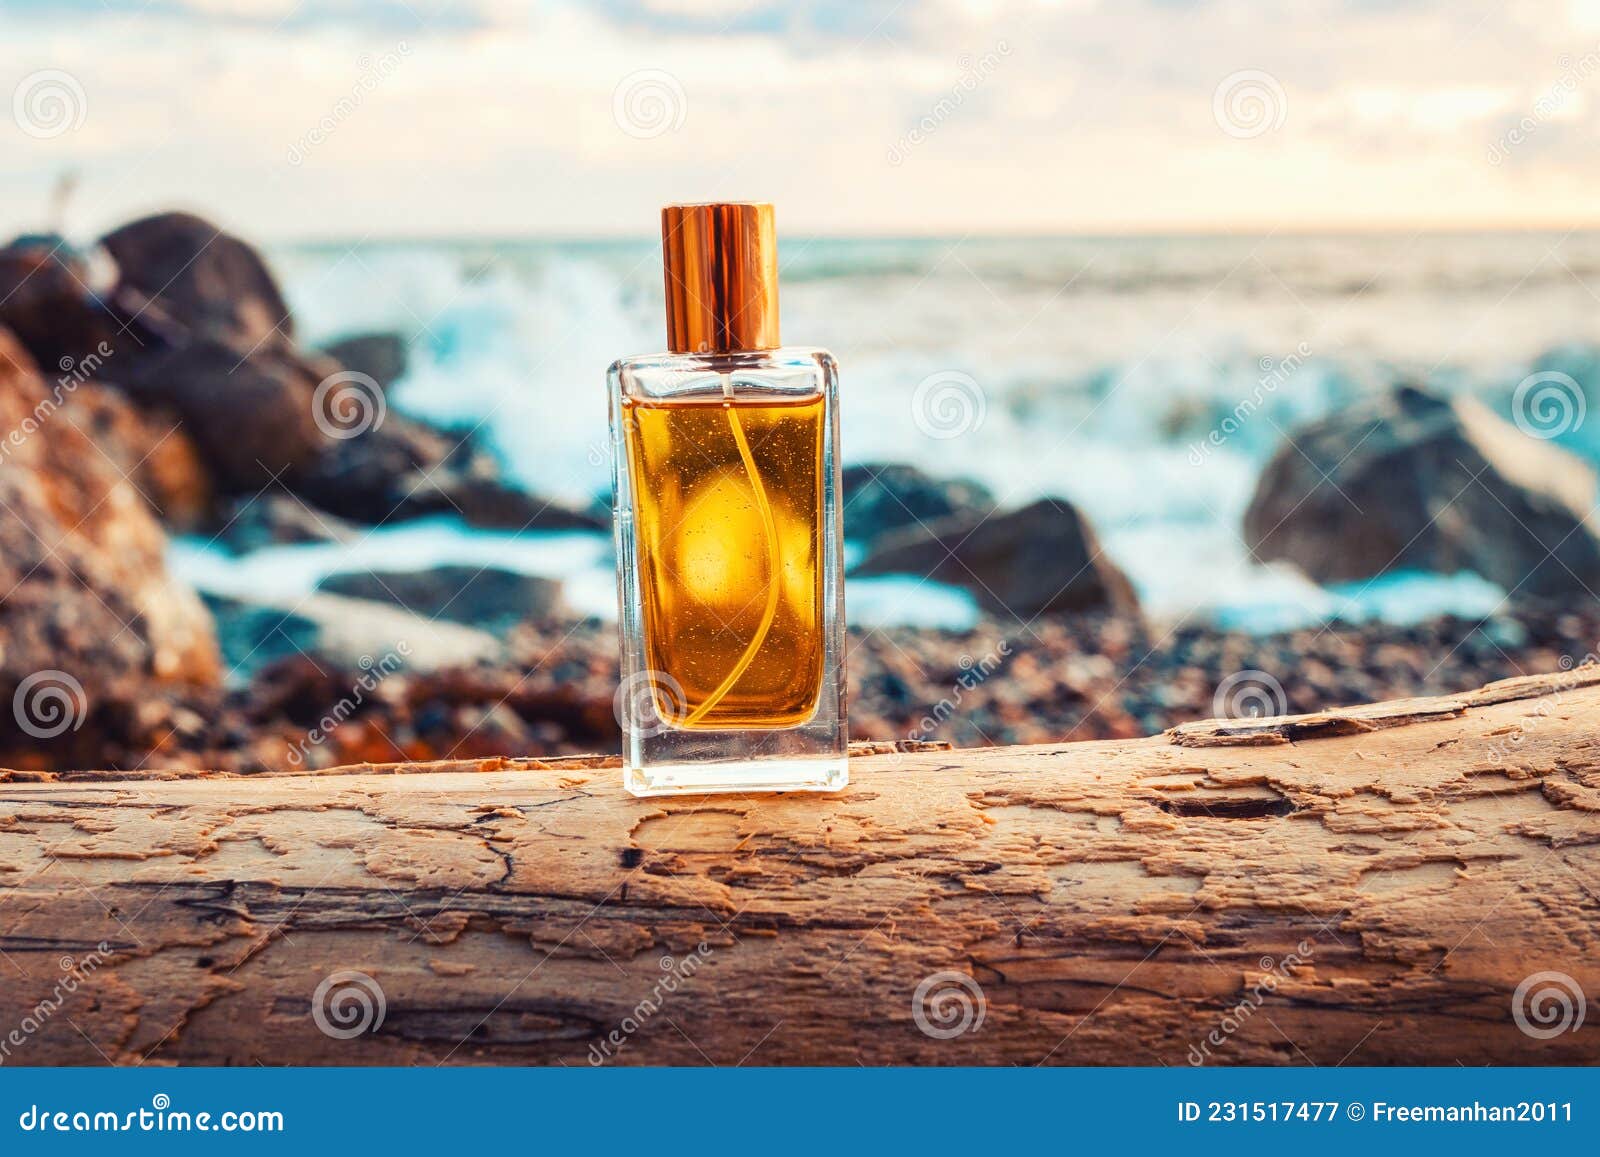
729 569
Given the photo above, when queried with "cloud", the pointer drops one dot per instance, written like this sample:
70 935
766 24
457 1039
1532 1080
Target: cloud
800 23
503 116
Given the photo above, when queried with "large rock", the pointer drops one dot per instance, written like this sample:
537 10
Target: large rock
403 469
89 617
274 518
205 347
350 635
480 596
250 414
1037 560
188 320
380 356
880 497
50 301
151 450
207 280
1413 481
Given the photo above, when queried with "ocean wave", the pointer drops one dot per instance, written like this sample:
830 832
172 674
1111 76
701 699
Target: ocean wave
1125 374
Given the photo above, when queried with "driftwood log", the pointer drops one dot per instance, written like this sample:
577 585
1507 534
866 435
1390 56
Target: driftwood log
1362 886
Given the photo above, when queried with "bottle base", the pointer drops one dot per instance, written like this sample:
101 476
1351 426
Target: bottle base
760 775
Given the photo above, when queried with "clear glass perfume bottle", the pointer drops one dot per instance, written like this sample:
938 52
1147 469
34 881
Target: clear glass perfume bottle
729 571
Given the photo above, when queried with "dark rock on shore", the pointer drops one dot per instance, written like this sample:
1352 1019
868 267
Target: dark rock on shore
249 414
205 279
203 348
881 497
188 320
493 505
402 469
373 476
1041 559
339 633
266 519
380 356
478 596
46 303
1411 480
90 619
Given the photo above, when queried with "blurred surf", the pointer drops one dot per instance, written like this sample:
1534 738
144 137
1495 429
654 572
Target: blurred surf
1099 368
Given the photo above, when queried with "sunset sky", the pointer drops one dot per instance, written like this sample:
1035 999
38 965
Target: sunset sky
488 117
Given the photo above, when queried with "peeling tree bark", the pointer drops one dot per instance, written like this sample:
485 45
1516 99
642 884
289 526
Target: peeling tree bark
1362 886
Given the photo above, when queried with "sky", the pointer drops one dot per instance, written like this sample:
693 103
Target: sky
294 119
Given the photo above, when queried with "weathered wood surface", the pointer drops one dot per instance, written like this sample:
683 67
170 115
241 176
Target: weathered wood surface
1367 886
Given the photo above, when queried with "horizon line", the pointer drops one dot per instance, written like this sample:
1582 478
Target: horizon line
1154 233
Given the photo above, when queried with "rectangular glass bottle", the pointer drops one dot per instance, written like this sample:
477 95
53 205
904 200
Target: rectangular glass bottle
729 566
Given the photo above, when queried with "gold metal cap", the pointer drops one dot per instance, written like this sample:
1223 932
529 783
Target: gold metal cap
721 261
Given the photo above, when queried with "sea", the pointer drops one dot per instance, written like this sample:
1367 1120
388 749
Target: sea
1108 370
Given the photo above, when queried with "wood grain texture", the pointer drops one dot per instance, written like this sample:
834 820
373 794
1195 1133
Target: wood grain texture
1363 886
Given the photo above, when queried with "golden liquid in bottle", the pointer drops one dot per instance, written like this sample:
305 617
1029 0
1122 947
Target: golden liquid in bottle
707 536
